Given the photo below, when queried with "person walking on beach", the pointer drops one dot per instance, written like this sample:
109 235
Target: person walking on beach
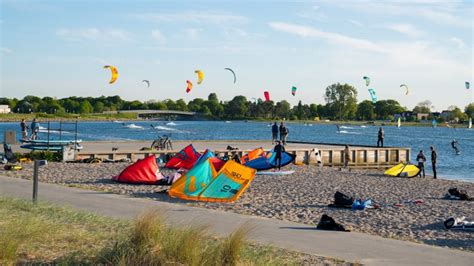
278 149
24 129
434 157
421 159
274 132
283 133
381 136
34 127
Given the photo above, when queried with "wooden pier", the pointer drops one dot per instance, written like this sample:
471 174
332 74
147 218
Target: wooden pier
332 154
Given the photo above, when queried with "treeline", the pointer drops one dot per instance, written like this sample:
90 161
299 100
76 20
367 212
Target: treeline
340 104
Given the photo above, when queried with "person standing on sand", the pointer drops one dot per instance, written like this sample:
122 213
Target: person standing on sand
24 129
283 133
274 132
278 149
434 157
421 159
381 136
347 156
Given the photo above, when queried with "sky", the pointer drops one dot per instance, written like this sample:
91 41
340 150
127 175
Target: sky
58 48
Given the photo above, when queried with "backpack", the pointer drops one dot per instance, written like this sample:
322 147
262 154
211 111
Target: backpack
328 223
341 199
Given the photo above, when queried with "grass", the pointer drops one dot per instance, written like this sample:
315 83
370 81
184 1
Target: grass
45 233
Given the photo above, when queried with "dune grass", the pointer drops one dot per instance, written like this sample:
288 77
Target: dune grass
46 233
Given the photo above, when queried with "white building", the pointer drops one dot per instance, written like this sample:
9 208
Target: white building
4 109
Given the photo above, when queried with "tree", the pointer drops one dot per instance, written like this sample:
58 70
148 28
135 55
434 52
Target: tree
423 107
469 110
282 109
341 99
457 114
237 107
181 105
386 109
366 110
98 107
86 107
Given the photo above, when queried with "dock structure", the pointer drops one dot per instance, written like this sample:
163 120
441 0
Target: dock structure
331 154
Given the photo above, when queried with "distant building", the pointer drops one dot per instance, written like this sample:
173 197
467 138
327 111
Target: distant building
4 109
422 116
407 114
435 114
445 114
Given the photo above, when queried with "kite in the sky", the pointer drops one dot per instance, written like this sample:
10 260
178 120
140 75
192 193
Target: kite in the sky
200 76
235 78
293 91
114 73
373 95
189 87
267 96
407 91
367 80
468 85
147 83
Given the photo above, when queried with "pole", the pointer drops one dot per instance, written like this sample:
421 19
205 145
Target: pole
35 181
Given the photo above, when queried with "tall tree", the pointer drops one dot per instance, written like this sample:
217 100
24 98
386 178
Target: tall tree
341 99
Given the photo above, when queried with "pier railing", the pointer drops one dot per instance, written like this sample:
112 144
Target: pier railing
361 157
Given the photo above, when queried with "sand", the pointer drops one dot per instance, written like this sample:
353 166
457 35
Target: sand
303 197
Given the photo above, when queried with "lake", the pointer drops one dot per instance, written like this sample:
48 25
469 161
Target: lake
450 165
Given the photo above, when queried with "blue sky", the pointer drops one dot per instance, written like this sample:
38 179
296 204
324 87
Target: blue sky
58 48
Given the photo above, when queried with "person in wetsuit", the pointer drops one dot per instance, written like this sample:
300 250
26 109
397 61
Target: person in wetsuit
454 144
278 149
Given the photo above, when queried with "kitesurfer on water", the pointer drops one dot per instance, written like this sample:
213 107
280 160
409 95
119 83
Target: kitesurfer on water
274 132
454 144
278 149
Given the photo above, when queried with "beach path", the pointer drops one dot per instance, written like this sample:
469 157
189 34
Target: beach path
353 247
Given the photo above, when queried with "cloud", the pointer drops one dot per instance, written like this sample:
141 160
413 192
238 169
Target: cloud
157 35
201 17
335 38
406 29
458 42
5 50
192 33
447 13
356 23
94 34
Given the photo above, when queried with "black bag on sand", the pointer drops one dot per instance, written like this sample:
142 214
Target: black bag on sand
328 223
461 194
342 200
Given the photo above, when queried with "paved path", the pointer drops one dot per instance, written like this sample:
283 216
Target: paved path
355 247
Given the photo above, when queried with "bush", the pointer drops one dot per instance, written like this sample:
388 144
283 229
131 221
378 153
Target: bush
41 155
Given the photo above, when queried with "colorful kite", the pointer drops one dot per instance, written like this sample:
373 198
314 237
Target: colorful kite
267 96
367 80
114 73
189 87
200 76
407 91
293 91
235 78
373 95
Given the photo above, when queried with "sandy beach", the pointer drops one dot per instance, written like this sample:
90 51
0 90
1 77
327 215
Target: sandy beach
303 197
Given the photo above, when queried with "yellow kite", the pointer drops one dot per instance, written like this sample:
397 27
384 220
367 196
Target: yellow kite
200 76
114 73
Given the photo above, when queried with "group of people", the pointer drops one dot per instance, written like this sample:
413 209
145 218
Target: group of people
421 159
33 127
283 130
